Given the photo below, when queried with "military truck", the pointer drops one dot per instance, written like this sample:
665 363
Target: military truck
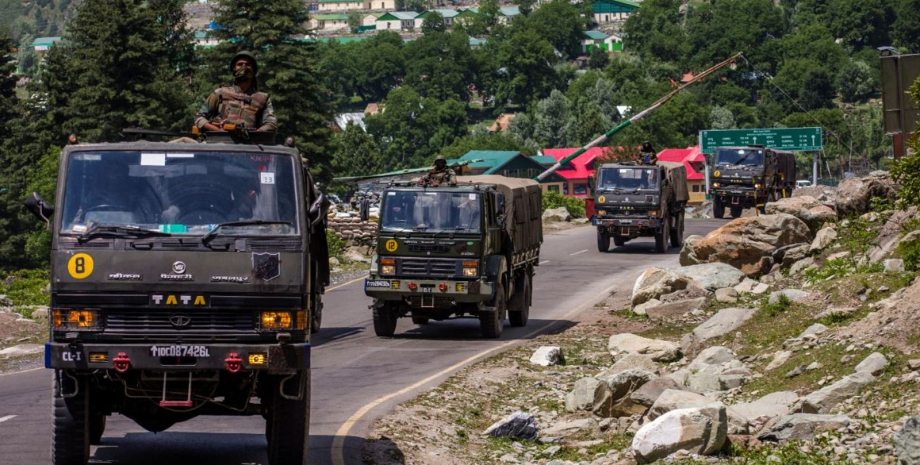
185 279
461 251
640 201
749 177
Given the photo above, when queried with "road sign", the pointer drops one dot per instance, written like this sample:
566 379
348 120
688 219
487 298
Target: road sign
795 139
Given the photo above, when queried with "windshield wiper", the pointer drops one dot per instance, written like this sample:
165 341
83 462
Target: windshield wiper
115 230
207 238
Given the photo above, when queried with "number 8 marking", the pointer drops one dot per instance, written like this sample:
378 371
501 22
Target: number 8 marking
80 266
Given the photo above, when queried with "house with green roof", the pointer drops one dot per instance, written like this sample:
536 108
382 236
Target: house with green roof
597 39
608 11
43 44
446 13
340 5
329 21
509 163
397 21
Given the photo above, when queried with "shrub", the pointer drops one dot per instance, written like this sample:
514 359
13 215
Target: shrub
909 251
906 171
336 244
26 287
575 206
776 308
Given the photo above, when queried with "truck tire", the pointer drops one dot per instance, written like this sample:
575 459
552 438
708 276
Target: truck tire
661 237
619 241
420 320
603 240
70 426
288 423
519 310
96 427
736 212
491 322
316 316
677 230
384 320
718 208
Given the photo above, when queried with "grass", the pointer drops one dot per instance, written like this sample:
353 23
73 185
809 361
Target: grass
26 287
791 453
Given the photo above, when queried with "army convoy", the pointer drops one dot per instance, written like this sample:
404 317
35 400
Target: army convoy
749 177
640 201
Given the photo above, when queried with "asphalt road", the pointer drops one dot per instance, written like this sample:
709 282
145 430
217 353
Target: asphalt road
356 376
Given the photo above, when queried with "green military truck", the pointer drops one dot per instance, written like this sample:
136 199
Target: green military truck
185 279
461 251
640 201
749 177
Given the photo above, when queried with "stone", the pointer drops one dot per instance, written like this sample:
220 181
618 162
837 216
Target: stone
587 394
333 262
779 358
800 426
771 405
518 425
836 311
893 265
566 428
642 309
806 208
5 301
696 430
547 356
659 351
673 399
651 391
814 366
720 324
824 399
815 329
556 215
715 355
748 243
745 286
687 257
620 387
796 371
874 364
890 234
630 361
907 442
727 295
760 289
41 312
914 364
823 239
22 349
665 310
854 194
788 255
655 282
794 295
711 276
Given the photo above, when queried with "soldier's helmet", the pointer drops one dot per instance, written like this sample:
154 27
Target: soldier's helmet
245 54
440 159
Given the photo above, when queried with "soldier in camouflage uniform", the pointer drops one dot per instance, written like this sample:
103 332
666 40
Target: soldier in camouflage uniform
239 104
440 174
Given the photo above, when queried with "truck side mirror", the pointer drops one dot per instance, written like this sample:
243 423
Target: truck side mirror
591 184
37 205
319 209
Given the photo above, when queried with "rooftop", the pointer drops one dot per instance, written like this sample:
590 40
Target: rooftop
691 157
581 167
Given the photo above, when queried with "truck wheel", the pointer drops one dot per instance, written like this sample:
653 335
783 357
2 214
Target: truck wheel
96 428
619 241
736 212
491 322
316 316
70 428
384 320
420 320
519 310
288 423
718 208
677 230
603 240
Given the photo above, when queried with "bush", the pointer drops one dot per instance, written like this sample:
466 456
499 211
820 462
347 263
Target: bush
906 171
575 205
26 287
336 244
909 251
776 308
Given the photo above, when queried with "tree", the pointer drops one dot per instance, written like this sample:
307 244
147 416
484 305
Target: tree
356 153
433 22
354 22
654 31
906 30
381 64
551 120
855 82
7 81
560 23
861 23
721 118
720 29
598 59
443 65
817 90
525 6
527 72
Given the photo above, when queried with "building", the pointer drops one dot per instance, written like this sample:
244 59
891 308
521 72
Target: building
597 39
694 161
575 173
608 11
41 45
329 21
340 5
342 120
509 163
397 21
382 5
446 13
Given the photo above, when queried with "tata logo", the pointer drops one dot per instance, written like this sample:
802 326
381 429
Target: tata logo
180 321
179 267
177 300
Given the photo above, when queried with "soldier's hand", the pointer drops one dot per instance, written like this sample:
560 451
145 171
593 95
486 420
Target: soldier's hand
211 127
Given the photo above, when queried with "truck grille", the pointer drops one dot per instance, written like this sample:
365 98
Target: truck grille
203 325
422 267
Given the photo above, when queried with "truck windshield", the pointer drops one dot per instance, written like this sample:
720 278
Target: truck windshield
628 178
431 211
180 193
739 157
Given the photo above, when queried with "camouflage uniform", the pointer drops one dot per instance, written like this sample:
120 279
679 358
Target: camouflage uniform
436 177
230 105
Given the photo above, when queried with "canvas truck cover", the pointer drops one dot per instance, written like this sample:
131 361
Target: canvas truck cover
523 207
677 176
785 165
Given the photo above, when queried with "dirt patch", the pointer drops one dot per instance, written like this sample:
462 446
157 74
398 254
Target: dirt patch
15 330
894 320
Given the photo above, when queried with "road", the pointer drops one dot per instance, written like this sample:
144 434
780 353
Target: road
357 377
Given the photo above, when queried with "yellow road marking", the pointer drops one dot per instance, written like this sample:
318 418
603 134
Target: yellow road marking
337 286
338 442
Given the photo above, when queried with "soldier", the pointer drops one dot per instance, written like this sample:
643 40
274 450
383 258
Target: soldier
240 104
440 174
648 156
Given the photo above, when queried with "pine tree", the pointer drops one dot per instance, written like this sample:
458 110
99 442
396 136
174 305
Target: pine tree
275 32
7 80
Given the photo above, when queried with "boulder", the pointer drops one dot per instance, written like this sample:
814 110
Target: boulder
800 426
630 361
655 282
823 194
711 276
805 208
824 399
566 428
724 322
652 390
893 265
664 310
687 257
672 399
745 286
715 355
874 364
890 234
787 256
659 351
748 243
642 309
771 405
556 215
794 295
696 430
518 425
727 295
547 356
587 395
801 265
620 387
907 442
779 358
760 288
855 194
823 239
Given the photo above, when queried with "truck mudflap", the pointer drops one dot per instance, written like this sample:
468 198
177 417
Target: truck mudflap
459 291
274 358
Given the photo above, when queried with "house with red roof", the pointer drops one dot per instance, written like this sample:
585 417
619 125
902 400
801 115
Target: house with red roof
694 161
576 172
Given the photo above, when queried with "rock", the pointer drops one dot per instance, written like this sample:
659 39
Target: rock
724 322
334 262
5 301
855 194
748 243
547 356
771 405
779 358
715 355
806 208
796 371
672 399
745 286
659 351
651 391
760 289
727 295
570 427
664 310
838 311
556 215
914 364
711 276
824 194
800 265
815 329
787 256
800 426
907 442
22 349
620 387
874 364
356 254
687 257
40 312
518 425
890 234
823 239
696 430
794 295
642 309
814 366
587 394
822 400
894 265
630 361
655 282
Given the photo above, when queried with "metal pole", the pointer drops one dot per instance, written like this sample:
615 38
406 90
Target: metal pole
814 168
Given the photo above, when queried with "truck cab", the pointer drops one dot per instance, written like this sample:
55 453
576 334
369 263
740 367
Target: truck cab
749 177
185 279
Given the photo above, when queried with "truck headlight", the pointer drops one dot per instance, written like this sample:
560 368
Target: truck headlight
276 320
757 185
79 320
470 269
387 266
602 212
715 184
653 213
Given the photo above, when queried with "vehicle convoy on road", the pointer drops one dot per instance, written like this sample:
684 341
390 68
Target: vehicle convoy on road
640 201
749 177
456 251
185 281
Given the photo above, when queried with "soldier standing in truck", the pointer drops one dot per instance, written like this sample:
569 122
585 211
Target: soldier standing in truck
241 103
440 174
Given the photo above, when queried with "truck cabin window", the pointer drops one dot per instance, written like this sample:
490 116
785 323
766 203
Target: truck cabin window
180 193
431 211
740 158
629 179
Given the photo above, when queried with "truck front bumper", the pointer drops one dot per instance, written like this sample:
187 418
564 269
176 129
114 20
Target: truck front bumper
457 291
274 358
629 223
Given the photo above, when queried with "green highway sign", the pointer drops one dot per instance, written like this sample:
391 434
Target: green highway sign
793 139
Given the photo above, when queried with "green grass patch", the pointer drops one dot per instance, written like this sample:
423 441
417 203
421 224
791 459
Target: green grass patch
26 287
